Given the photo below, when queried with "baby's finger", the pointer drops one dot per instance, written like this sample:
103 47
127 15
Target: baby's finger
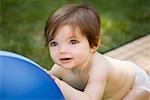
53 77
49 72
57 81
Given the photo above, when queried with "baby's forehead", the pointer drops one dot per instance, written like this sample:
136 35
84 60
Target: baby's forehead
73 35
74 32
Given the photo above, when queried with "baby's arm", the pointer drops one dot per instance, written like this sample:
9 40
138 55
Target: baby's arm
96 83
69 92
93 91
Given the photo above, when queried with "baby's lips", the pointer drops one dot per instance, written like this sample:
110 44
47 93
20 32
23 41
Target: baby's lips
65 58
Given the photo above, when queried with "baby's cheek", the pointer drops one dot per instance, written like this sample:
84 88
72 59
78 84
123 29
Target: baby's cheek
53 56
80 55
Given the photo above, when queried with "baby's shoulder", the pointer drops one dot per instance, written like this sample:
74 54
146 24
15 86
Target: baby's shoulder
119 65
64 72
57 70
99 69
115 61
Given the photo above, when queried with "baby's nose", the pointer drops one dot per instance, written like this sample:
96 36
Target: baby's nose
63 49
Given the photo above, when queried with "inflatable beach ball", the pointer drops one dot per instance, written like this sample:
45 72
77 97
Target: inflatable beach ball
21 78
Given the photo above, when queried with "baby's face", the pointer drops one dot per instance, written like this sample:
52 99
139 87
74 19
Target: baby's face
69 48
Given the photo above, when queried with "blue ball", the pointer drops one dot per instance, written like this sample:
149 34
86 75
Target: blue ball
21 78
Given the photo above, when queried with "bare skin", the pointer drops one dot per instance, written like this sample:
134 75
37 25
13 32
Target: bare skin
77 80
137 94
82 73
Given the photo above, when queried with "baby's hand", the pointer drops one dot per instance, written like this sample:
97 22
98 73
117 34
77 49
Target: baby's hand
57 80
49 72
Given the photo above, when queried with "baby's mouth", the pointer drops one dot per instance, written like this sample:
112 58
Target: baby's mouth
65 60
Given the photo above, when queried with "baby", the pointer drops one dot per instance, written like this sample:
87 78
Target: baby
82 73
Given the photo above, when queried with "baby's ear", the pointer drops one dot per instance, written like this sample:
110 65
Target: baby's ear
98 43
94 48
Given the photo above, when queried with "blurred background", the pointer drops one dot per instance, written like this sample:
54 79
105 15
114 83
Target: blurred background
22 24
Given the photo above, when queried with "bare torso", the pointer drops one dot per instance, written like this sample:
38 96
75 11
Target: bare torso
119 71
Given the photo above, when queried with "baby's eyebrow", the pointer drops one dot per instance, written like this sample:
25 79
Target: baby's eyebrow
72 37
51 39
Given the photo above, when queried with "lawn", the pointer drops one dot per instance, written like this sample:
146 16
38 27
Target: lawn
22 24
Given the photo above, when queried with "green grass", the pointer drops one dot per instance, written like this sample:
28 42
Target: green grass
22 24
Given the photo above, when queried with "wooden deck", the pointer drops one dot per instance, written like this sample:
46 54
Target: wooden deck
137 51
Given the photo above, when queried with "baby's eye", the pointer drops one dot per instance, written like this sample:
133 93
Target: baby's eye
73 42
53 44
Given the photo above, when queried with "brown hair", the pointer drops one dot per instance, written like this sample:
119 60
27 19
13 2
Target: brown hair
81 16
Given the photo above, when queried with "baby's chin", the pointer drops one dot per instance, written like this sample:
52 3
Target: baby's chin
65 66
